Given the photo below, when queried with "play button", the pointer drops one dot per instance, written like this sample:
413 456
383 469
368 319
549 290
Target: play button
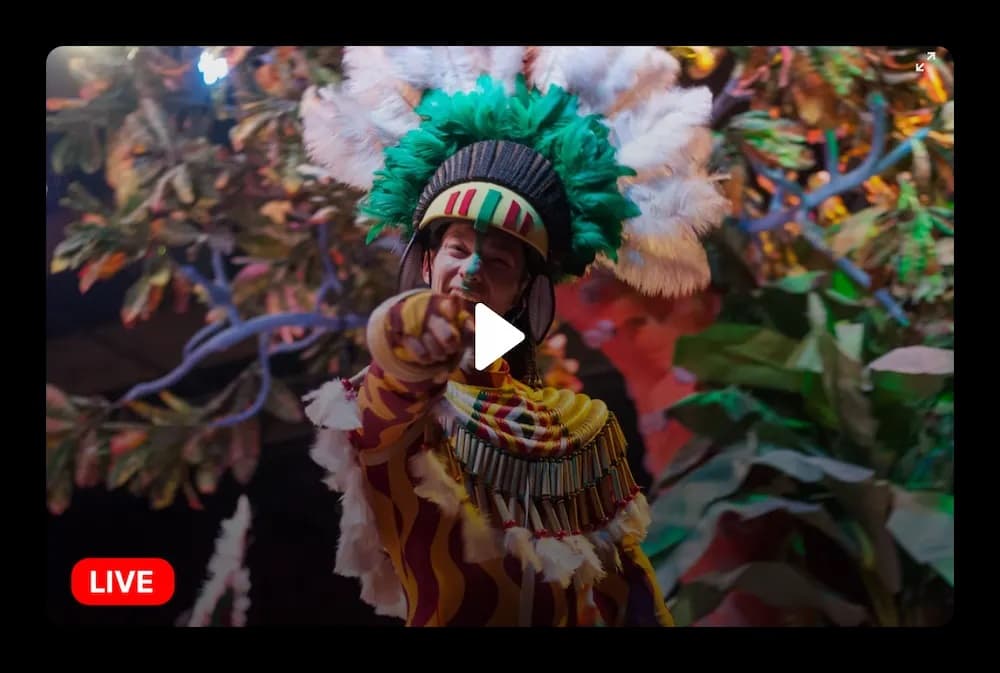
494 337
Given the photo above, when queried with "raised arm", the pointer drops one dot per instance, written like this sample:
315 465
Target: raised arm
417 339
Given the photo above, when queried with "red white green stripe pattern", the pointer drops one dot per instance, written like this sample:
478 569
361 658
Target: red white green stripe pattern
487 204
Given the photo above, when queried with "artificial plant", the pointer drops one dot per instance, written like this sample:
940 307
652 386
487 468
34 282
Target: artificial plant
209 193
818 486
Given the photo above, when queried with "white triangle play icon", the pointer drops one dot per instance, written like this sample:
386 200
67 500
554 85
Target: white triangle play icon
494 336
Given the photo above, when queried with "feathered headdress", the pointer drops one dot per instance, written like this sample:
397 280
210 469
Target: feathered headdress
630 149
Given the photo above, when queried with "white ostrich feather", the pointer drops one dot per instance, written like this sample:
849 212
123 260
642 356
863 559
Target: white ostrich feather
633 66
659 132
674 207
599 76
682 270
506 62
576 69
450 69
340 136
372 79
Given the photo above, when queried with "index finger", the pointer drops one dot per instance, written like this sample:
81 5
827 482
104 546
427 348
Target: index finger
469 331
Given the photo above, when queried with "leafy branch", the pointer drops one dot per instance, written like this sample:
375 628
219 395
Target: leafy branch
303 285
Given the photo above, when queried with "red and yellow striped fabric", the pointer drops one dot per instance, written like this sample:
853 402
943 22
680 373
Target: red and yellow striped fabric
425 544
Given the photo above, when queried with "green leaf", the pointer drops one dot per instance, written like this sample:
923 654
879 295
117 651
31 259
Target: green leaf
850 338
802 283
869 503
59 459
263 246
127 465
135 300
59 494
65 154
842 384
179 232
671 566
806 356
946 568
164 417
79 199
728 413
181 182
779 140
283 403
777 584
819 317
247 287
716 412
843 309
685 516
744 355
924 525
689 455
842 285
92 154
785 301
239 134
679 510
813 469
911 374
244 449
856 230
164 488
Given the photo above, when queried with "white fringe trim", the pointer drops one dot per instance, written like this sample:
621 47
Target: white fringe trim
360 552
333 405
575 559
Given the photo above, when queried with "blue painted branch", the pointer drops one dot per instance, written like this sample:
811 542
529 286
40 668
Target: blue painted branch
840 183
853 272
323 289
727 99
776 176
262 325
892 307
201 335
900 151
218 295
299 345
219 268
847 181
262 394
777 198
814 236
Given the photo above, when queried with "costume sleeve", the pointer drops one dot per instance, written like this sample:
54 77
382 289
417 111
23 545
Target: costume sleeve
398 388
632 596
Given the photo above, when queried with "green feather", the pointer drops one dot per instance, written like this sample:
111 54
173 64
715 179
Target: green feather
577 146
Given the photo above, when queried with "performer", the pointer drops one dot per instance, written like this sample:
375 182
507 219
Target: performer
483 497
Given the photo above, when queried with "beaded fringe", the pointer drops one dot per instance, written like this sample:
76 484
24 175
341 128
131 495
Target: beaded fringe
559 515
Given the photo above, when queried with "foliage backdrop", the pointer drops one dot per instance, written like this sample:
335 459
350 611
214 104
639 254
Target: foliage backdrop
814 482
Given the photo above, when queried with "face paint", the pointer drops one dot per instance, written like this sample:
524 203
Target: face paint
476 263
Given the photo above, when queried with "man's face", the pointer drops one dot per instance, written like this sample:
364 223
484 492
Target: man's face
487 268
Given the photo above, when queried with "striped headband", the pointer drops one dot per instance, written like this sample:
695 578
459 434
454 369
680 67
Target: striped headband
488 204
